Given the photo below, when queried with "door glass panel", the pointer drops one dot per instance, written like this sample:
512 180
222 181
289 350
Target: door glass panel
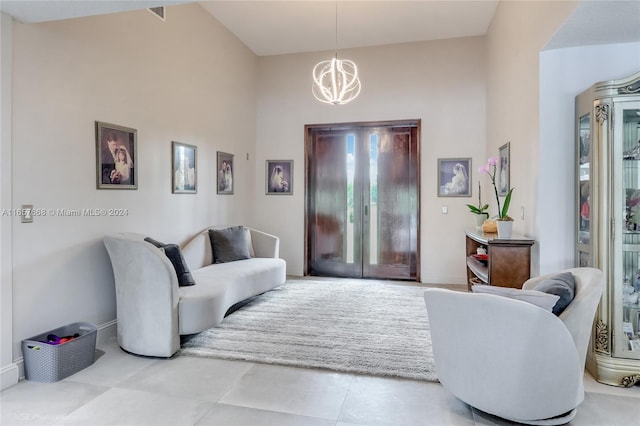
584 259
584 234
373 199
350 201
630 231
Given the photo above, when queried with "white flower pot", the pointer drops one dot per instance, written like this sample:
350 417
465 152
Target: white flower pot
504 228
480 218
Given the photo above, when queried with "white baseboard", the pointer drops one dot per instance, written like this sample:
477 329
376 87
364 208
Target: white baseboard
9 376
106 332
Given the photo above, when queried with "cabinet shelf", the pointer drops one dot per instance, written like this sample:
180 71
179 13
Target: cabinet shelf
478 268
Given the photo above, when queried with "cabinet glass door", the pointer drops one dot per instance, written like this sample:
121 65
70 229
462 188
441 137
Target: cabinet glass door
584 191
626 199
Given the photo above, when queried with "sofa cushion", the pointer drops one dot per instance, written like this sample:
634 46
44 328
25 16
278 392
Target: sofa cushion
222 285
229 244
543 300
562 285
172 251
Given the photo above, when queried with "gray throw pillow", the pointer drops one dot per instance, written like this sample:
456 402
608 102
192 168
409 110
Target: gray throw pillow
172 251
563 285
229 244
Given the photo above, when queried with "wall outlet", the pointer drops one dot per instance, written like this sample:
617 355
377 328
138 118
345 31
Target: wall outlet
445 209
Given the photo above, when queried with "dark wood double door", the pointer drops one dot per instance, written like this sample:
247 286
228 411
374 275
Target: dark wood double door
362 200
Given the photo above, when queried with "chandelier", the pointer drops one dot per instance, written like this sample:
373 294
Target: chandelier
335 81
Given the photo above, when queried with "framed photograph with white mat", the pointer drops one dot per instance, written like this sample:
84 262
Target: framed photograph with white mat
279 177
504 166
184 177
225 173
116 156
453 177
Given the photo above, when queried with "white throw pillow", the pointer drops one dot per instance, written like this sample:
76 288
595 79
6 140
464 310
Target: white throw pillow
544 300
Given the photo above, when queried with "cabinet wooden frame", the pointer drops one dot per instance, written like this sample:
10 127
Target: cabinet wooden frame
509 260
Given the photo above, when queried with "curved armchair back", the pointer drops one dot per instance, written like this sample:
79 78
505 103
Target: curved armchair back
578 316
511 358
143 273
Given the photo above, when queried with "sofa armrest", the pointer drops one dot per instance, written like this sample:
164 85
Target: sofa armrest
146 296
265 245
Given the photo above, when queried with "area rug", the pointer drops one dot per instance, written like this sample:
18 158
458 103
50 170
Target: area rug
365 327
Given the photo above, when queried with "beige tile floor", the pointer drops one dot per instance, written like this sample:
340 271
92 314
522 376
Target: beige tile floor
122 389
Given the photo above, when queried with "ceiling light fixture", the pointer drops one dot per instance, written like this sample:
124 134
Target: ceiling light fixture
336 81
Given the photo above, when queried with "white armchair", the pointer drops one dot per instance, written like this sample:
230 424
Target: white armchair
510 358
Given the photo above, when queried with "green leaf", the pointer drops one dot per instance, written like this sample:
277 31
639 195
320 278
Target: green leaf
474 209
477 210
507 201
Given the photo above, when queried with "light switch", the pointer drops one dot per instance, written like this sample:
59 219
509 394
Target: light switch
522 212
445 209
26 216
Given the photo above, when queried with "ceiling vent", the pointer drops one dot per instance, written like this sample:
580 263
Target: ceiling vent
158 11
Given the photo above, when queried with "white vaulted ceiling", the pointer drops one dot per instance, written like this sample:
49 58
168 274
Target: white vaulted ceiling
279 27
270 27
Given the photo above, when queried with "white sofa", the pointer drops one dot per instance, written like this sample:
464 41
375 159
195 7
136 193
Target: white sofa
153 311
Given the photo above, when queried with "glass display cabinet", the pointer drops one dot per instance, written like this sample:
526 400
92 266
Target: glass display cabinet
608 221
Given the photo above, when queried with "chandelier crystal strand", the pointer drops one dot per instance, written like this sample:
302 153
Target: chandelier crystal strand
336 81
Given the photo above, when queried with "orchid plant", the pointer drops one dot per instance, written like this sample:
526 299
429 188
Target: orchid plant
490 169
480 209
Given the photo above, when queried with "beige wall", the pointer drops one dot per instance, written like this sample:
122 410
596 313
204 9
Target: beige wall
518 32
442 83
187 79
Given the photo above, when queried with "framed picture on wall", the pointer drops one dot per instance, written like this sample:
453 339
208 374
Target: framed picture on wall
183 168
503 169
116 156
454 179
279 177
224 173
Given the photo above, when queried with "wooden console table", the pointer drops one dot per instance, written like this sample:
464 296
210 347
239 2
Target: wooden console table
509 263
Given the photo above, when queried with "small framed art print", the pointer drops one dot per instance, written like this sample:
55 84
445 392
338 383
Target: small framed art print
225 173
116 156
184 168
453 177
279 177
503 168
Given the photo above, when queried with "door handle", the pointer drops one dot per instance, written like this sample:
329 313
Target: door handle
366 211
